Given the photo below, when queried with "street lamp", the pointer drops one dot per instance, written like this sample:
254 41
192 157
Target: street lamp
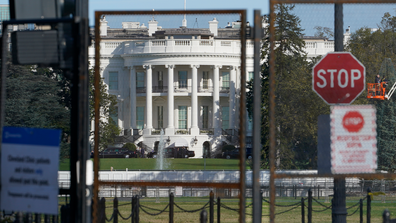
195 140
168 140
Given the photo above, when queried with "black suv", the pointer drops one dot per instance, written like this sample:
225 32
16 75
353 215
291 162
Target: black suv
173 153
117 153
235 153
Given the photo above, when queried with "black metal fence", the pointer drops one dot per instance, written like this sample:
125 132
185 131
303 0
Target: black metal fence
305 204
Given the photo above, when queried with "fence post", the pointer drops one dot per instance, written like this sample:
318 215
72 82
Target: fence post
171 207
386 216
211 207
218 209
332 215
318 191
203 217
302 210
102 210
46 218
309 205
294 192
137 204
37 217
54 218
361 210
115 210
133 210
368 205
18 217
29 218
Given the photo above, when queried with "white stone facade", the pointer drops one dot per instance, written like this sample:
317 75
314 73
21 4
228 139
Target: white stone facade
189 87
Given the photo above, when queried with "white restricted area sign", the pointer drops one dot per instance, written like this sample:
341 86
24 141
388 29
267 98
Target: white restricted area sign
353 139
29 170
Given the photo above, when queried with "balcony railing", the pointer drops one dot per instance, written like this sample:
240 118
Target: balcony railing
156 132
183 89
224 89
160 89
182 131
205 89
206 131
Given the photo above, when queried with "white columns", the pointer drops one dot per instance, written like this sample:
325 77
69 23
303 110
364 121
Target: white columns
216 100
132 96
232 107
149 99
194 100
170 129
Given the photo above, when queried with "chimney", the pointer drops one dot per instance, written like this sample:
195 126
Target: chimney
103 26
213 26
152 26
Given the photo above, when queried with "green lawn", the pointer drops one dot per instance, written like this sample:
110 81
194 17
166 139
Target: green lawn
173 164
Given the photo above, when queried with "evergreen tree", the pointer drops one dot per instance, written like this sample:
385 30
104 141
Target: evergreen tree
386 123
297 108
376 50
108 129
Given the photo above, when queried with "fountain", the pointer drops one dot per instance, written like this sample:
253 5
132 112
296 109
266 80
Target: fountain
161 161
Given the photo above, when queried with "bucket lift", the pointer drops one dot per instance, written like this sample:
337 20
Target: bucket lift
378 91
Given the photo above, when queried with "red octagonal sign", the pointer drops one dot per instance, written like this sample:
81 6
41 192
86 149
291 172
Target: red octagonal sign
338 78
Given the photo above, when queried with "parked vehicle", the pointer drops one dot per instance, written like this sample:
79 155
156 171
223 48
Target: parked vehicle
117 153
234 154
175 152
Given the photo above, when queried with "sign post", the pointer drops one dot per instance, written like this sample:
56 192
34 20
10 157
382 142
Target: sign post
338 78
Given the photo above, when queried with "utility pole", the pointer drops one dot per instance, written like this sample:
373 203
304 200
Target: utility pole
257 205
339 211
80 194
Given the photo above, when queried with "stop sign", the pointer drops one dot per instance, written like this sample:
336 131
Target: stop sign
338 78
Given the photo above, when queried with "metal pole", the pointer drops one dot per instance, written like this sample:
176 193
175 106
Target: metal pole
171 208
79 201
272 131
218 209
115 210
211 207
339 204
257 118
309 205
133 209
203 217
242 126
386 216
368 205
361 210
302 210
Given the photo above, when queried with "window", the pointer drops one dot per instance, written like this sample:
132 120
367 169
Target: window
140 79
182 117
160 116
160 79
113 80
114 116
225 118
182 79
226 80
251 75
205 117
140 117
205 77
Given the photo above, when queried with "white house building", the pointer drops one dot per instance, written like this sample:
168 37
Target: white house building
185 81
